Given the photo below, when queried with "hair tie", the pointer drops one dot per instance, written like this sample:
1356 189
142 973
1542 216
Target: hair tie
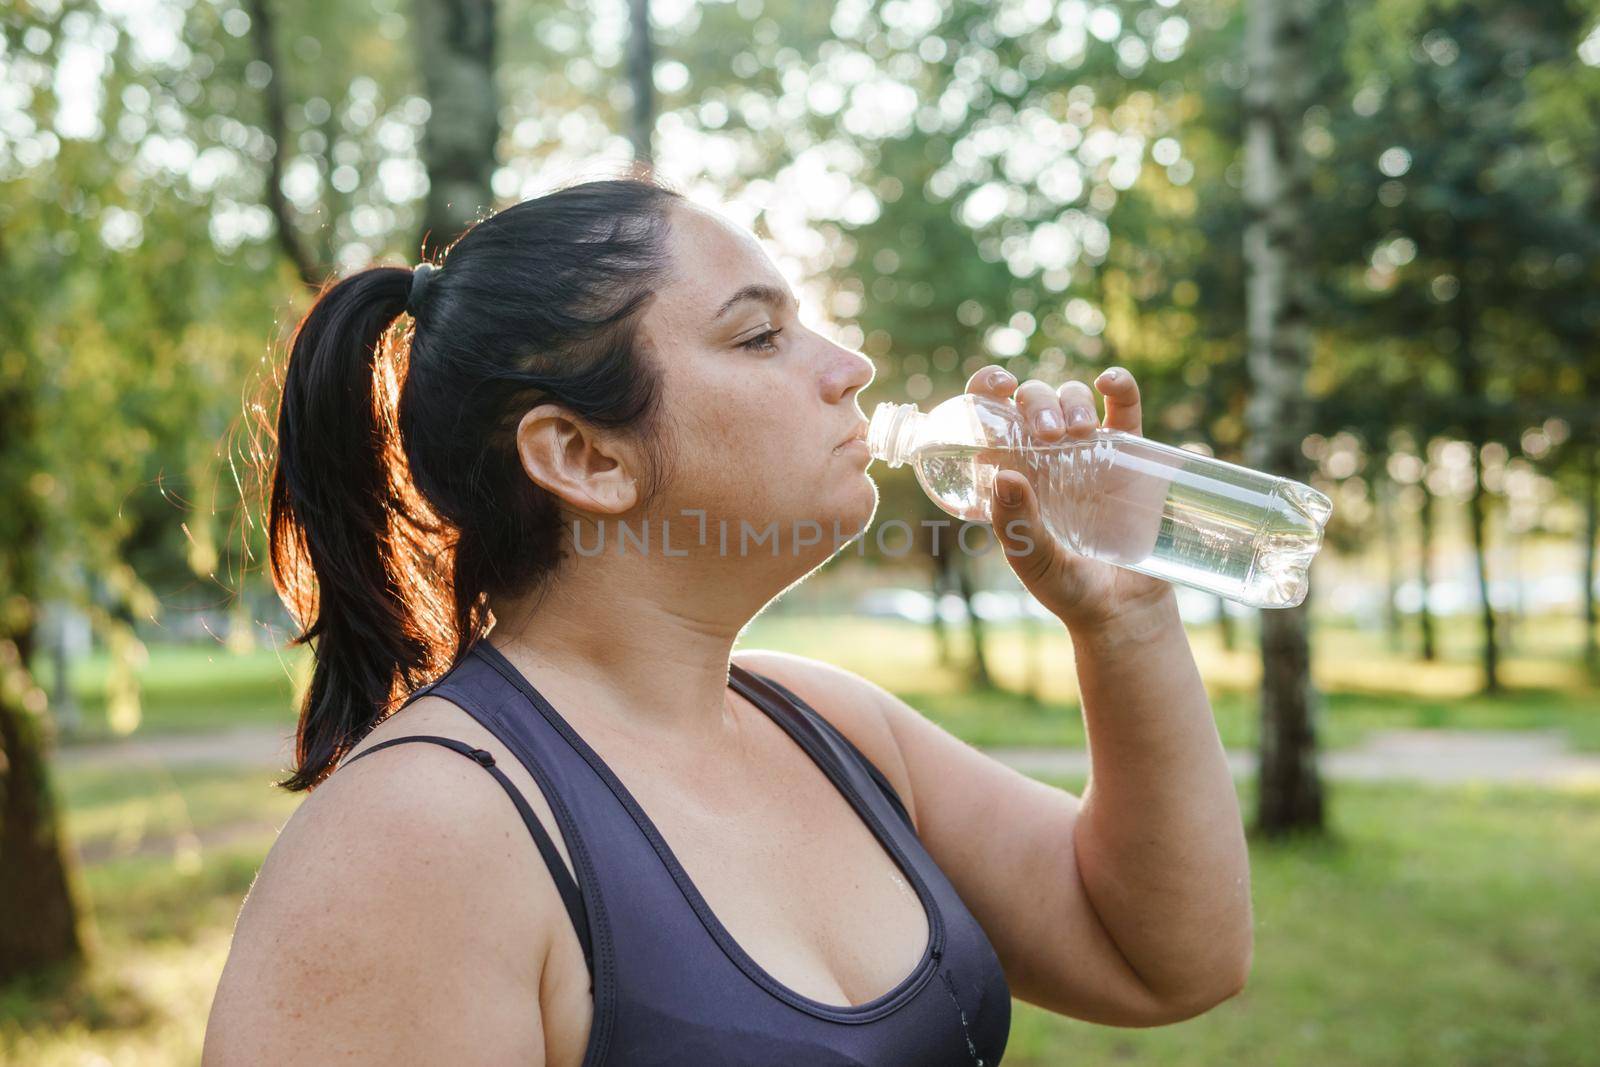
420 276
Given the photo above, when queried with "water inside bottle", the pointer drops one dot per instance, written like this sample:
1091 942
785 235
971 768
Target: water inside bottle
1216 526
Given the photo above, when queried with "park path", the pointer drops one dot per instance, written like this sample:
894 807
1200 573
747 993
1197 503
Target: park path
1429 757
1433 757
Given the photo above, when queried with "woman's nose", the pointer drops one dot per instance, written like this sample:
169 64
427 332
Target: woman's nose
847 373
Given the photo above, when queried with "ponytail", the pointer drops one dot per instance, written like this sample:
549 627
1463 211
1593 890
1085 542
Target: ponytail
351 540
398 504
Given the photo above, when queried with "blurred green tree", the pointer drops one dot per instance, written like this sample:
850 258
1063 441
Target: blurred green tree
1563 112
1469 249
455 45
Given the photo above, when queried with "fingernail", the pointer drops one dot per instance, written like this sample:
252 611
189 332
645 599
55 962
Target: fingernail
1078 416
998 378
1009 495
1109 376
1049 421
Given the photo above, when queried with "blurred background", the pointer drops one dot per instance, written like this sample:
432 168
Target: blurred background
1353 243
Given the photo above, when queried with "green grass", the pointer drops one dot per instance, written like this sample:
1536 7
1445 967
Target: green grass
126 811
172 854
1366 685
187 688
159 933
1434 927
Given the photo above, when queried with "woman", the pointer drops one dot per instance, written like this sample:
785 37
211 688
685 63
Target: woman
661 851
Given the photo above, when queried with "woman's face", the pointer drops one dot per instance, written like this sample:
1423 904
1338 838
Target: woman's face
756 404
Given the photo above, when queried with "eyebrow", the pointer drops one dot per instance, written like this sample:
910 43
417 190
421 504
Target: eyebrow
766 294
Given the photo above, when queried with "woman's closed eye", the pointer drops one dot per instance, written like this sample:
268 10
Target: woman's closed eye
765 341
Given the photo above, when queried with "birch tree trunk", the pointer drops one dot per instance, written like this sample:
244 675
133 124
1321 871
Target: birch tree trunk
1430 646
1591 533
456 51
642 82
1225 628
1469 377
979 668
1281 82
1387 494
942 583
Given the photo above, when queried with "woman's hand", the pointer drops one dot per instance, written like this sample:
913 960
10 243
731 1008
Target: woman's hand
1078 590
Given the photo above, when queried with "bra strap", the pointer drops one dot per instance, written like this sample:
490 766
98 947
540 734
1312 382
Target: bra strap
565 884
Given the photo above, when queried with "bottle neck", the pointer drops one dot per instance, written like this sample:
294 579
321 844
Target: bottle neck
892 431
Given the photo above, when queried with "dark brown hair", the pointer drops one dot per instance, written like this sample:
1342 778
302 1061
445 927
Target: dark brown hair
398 504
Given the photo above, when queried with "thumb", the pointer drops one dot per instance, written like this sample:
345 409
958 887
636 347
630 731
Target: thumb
1014 513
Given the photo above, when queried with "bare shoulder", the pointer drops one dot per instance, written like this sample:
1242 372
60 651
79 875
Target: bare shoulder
860 709
380 929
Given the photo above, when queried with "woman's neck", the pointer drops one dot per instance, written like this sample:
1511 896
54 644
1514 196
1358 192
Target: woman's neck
647 647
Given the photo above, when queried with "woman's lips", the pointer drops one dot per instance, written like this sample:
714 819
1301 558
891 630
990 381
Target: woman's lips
858 436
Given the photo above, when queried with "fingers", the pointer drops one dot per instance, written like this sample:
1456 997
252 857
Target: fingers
1122 400
1014 515
1078 404
1068 412
1013 499
992 381
1041 410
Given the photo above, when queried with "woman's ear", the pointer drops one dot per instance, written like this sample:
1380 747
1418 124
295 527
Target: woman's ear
575 461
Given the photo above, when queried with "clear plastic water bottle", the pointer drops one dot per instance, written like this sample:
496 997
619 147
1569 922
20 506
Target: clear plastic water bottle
1118 497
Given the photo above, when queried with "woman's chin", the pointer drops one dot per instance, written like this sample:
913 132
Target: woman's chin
856 514
839 516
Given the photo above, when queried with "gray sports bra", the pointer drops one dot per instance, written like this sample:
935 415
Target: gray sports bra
670 985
